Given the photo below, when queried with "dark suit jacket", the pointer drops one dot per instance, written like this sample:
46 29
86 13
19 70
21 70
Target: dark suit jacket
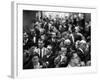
29 64
50 60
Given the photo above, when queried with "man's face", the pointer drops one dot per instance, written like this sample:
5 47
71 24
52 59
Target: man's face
77 29
81 16
49 25
64 51
32 31
53 39
35 59
40 45
43 37
25 35
75 55
60 27
48 51
67 42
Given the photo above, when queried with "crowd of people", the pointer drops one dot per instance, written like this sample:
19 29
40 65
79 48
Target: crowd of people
58 42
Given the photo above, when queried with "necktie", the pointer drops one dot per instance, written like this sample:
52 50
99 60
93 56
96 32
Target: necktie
40 53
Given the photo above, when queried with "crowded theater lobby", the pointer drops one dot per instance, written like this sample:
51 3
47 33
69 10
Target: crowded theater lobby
56 39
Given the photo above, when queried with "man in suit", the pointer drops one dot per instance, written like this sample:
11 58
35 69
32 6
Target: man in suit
61 59
48 59
41 50
53 41
33 62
